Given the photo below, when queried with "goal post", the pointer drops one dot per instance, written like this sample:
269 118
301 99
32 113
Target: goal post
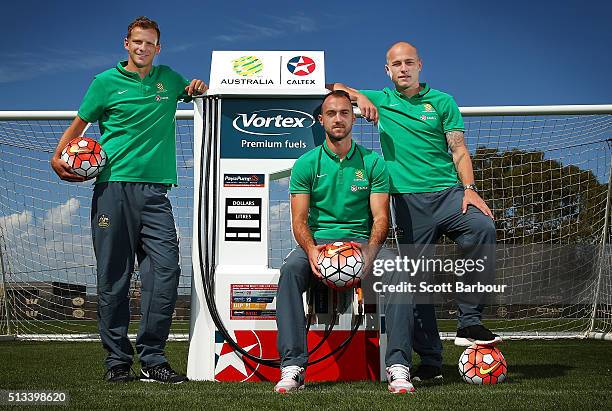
543 170
603 288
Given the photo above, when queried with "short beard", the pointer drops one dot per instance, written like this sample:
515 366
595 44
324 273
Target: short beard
340 138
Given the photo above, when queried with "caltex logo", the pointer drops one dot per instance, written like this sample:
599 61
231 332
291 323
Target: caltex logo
231 365
301 65
247 66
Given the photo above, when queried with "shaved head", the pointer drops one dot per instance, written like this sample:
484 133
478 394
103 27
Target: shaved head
401 46
403 67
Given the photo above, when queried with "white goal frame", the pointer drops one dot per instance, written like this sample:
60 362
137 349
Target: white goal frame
466 112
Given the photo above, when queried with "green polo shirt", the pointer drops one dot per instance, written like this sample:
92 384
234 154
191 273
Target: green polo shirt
412 136
137 122
339 189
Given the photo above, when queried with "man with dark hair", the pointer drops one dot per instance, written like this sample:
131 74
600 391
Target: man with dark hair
433 191
339 192
131 215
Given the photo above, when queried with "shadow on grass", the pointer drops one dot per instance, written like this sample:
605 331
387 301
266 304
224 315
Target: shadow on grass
526 372
518 374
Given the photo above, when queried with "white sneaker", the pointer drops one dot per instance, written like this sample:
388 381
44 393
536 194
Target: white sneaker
292 379
398 377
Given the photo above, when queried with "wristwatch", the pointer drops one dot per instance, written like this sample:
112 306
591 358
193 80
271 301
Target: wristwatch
470 187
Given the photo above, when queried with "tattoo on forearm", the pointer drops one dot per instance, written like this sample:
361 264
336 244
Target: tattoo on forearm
461 156
458 158
454 140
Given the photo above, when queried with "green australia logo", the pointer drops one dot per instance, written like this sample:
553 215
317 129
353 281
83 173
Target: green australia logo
428 108
359 175
247 66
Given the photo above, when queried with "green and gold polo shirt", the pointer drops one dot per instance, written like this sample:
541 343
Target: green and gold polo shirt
339 189
137 122
412 137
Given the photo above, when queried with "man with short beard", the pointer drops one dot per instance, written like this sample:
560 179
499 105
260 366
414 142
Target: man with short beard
325 208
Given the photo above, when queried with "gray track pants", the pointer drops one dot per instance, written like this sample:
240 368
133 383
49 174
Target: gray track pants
296 277
424 218
128 220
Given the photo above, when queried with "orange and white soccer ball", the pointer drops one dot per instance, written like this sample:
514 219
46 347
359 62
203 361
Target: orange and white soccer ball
482 364
85 157
341 265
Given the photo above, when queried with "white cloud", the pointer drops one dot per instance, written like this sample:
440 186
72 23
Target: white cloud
278 26
177 48
61 214
248 31
27 65
280 212
15 222
54 247
281 237
299 23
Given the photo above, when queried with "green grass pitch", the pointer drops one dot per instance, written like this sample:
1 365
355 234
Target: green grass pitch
559 374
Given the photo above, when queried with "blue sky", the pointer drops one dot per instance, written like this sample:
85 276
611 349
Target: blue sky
482 52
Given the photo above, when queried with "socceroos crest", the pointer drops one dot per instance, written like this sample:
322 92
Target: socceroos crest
103 221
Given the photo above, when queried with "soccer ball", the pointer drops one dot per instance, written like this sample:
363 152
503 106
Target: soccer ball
482 364
341 265
85 156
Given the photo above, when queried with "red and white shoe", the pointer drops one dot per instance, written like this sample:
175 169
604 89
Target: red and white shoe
292 379
398 377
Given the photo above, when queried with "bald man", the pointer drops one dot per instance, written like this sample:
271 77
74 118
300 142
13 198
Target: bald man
433 193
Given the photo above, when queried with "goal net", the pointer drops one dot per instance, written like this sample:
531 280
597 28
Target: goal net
48 288
543 171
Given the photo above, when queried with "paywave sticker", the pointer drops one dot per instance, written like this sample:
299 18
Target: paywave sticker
243 180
